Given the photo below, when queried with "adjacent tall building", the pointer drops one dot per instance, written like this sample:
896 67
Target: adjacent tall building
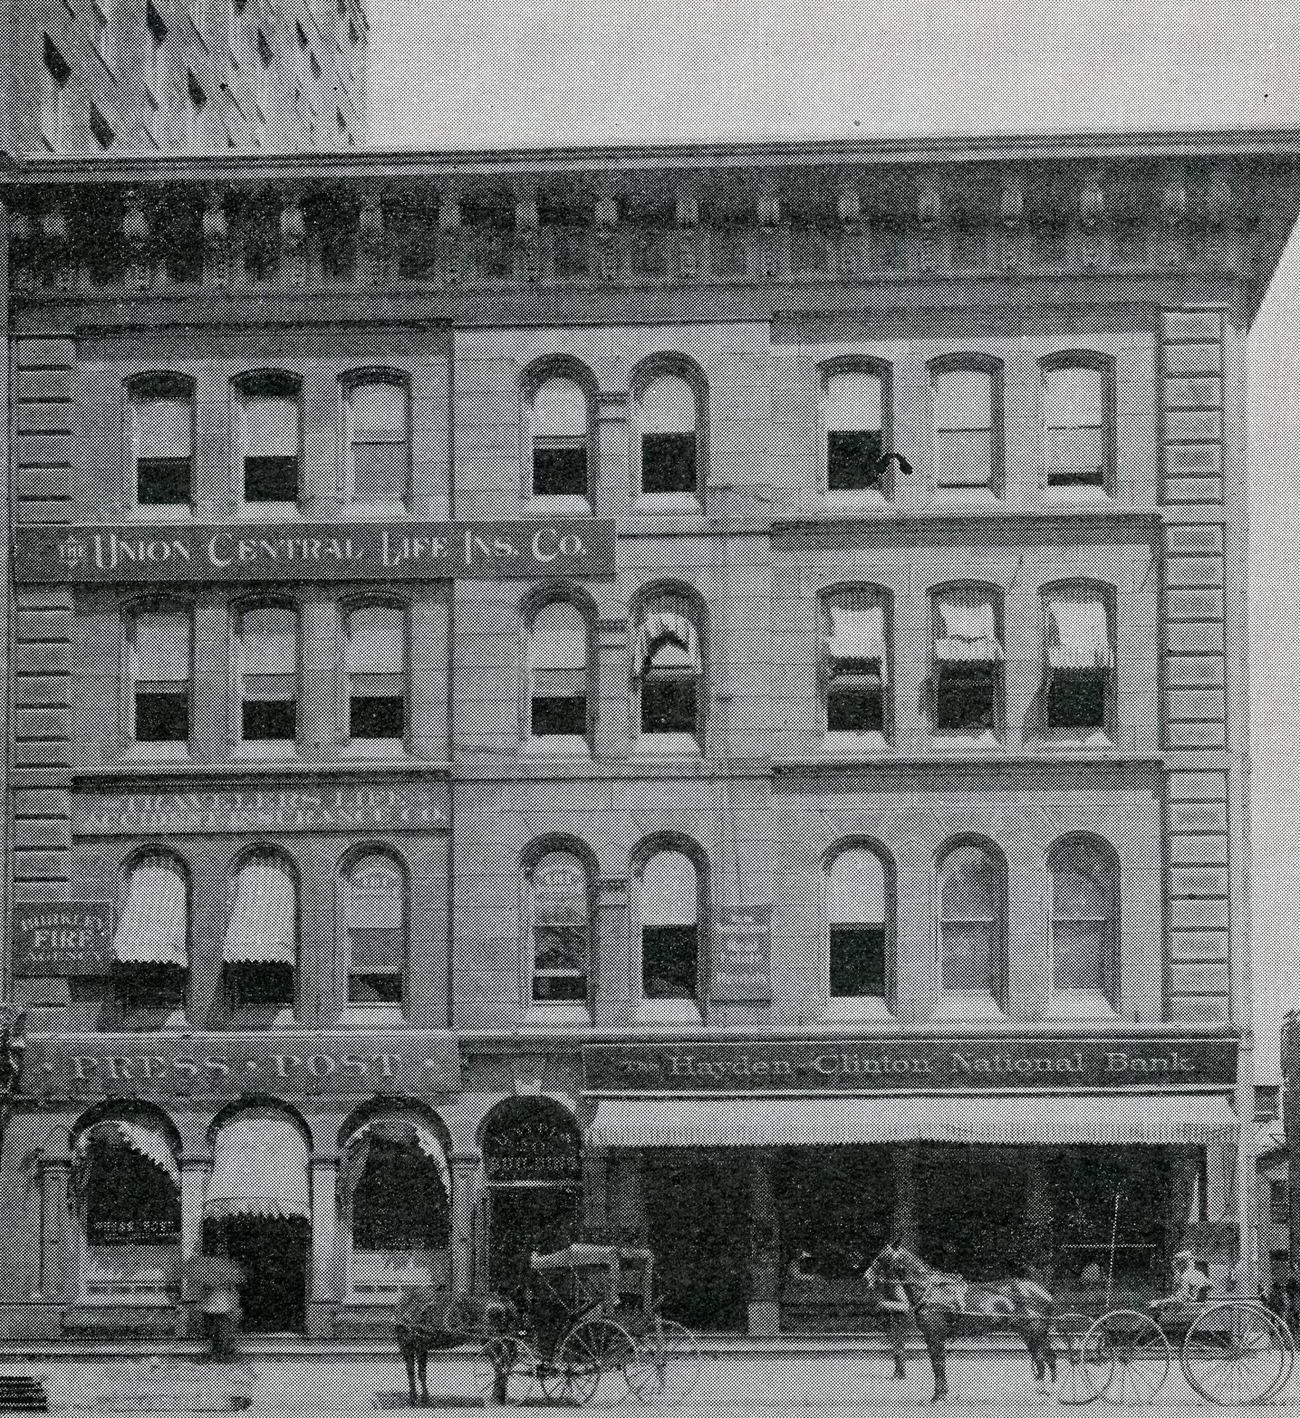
693 696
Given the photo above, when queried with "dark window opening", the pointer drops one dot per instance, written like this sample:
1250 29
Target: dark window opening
560 472
399 1203
855 462
375 989
855 704
259 985
149 987
857 962
668 462
669 962
377 717
270 719
565 714
966 698
162 716
163 482
271 479
1076 699
668 705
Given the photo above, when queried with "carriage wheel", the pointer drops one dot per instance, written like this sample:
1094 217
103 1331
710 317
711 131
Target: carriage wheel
505 1371
669 1365
1085 1374
1136 1348
1236 1351
588 1352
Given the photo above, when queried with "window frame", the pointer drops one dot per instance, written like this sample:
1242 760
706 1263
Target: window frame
647 373
861 1006
369 1013
993 367
534 379
667 1011
376 747
572 1011
672 742
350 382
855 739
1089 1003
154 749
168 386
292 1007
533 607
1104 734
996 733
1104 365
265 748
883 371
974 1002
266 384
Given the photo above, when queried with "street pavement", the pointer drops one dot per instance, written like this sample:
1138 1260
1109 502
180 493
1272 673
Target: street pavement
835 1385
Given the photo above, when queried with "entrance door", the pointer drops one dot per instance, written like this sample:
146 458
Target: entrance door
272 1253
523 1220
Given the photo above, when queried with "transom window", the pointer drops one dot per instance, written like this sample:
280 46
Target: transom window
267 666
560 891
1085 917
374 892
670 668
375 661
162 440
858 912
270 440
378 420
668 421
159 657
972 919
1080 660
558 659
561 432
853 416
668 913
1076 424
968 661
963 403
855 660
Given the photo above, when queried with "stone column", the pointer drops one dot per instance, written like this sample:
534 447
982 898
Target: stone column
615 989
59 1277
465 1170
611 486
195 1172
324 1229
904 1156
764 1248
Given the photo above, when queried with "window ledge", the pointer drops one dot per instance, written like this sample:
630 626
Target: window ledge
559 505
370 749
269 511
575 1015
868 744
668 746
1098 742
668 1011
162 512
372 1016
560 745
1081 1004
651 503
967 1004
158 753
858 1007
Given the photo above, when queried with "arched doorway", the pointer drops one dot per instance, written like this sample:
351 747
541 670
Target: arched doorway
532 1163
258 1212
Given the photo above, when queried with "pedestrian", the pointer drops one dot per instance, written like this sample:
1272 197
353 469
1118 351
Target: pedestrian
890 1299
220 1308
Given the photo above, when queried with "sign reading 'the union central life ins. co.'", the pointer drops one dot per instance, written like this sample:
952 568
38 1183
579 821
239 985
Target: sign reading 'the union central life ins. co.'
315 551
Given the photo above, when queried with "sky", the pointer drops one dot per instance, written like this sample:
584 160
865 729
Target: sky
541 72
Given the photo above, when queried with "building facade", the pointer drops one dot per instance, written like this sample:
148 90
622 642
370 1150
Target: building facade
685 696
182 76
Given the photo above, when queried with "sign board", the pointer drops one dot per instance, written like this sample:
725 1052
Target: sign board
314 551
741 974
66 939
915 1065
535 1147
313 1063
404 806
132 1230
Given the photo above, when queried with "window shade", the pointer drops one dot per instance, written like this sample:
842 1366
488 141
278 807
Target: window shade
560 410
153 928
668 406
667 640
263 920
1078 632
857 893
857 631
853 401
669 891
966 626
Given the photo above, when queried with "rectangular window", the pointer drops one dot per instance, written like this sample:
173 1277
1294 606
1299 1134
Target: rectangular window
962 401
669 962
54 97
270 440
668 462
379 446
966 699
855 462
376 938
669 704
160 674
269 675
376 667
855 663
1080 661
853 416
558 653
857 962
968 668
1074 426
163 434
560 470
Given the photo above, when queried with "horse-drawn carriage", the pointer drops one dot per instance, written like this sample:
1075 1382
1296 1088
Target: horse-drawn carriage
588 1323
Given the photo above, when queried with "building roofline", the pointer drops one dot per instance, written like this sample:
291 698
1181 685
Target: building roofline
379 165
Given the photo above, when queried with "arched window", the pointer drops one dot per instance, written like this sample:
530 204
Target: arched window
1078 421
162 441
375 920
859 915
159 663
1084 876
668 916
668 424
152 941
261 946
965 398
125 1186
560 425
855 414
1079 669
558 663
670 669
378 441
559 901
375 661
266 653
270 440
972 919
968 661
855 660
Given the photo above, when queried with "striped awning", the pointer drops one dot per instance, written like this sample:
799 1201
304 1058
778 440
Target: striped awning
144 1140
840 1121
153 928
263 921
260 1167
403 1128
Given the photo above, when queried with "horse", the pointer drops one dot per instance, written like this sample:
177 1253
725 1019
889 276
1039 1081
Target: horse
943 1305
428 1320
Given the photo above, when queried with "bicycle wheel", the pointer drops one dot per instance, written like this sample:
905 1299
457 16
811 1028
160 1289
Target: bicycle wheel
1138 1351
1082 1376
505 1371
1237 1352
670 1363
591 1352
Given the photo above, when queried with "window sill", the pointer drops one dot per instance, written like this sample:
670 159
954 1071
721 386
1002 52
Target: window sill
968 1005
573 1015
668 745
273 749
668 1011
858 1007
1070 742
162 512
372 1016
377 511
374 748
867 744
557 745
1082 492
845 499
986 742
158 752
651 503
269 511
1081 1004
559 505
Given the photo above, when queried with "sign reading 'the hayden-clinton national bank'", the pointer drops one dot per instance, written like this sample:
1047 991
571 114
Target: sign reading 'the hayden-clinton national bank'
315 551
